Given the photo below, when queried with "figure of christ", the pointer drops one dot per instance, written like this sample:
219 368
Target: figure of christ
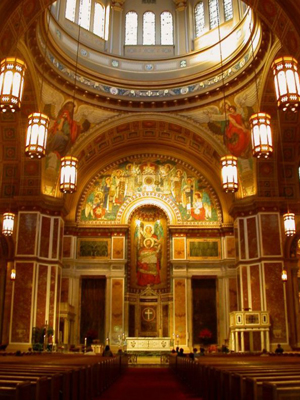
148 264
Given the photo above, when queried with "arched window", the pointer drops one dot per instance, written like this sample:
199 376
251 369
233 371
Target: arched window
70 10
166 28
84 14
228 12
199 19
149 28
131 28
99 21
213 7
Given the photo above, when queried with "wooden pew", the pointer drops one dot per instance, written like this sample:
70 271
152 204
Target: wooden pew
39 386
254 385
280 391
18 391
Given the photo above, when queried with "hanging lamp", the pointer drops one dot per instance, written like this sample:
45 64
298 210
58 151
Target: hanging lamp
287 85
12 72
13 275
289 224
68 174
261 135
8 224
284 276
37 133
229 174
260 122
38 123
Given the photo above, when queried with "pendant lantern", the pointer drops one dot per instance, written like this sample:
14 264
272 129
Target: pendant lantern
229 174
8 224
37 132
13 275
68 174
12 72
287 84
289 224
284 276
261 135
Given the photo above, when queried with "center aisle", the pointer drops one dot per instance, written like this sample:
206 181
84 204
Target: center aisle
147 384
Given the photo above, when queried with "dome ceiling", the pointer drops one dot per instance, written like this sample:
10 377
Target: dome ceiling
178 83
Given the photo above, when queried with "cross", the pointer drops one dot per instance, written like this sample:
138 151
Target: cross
148 313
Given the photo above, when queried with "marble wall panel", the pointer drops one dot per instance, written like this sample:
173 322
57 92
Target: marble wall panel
57 302
67 246
22 303
232 283
45 237
255 287
27 234
117 309
180 309
41 295
52 295
275 302
64 290
55 238
244 280
270 233
242 240
252 237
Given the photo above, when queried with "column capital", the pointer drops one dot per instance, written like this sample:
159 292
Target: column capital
180 5
117 5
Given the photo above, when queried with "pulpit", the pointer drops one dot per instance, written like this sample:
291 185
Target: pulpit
244 322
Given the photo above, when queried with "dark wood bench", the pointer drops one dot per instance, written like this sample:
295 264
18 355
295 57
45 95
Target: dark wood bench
281 391
15 391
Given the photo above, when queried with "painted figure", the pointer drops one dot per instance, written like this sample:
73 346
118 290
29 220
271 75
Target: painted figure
148 268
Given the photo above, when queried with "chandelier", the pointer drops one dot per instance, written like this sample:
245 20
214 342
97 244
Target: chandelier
8 224
12 72
37 133
261 135
287 85
229 174
289 224
68 174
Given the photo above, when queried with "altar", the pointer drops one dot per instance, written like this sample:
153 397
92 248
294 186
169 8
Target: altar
148 344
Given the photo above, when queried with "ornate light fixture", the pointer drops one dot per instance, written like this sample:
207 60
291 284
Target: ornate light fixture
38 123
12 72
229 174
261 135
289 224
13 275
68 174
8 224
37 133
287 84
260 122
284 275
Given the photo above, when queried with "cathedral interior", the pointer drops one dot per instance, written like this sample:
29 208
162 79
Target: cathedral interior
150 98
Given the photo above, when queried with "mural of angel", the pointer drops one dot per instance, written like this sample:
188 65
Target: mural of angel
68 121
148 242
229 121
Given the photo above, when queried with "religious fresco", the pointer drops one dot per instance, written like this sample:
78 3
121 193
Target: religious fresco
93 248
200 249
110 190
148 260
228 121
69 119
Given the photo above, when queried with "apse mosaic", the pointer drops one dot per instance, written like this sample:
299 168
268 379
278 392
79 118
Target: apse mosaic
148 255
187 190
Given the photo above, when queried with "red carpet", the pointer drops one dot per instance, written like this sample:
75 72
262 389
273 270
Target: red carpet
147 384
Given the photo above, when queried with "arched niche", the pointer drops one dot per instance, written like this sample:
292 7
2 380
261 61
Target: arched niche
170 184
